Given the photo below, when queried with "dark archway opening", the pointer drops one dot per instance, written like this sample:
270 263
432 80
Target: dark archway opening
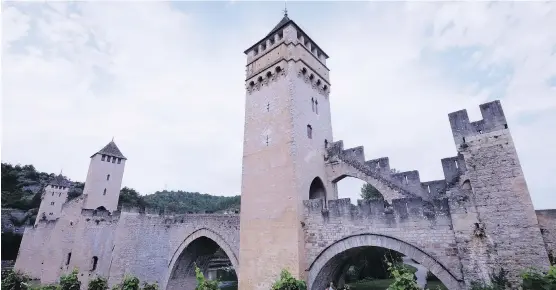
210 258
317 190
365 268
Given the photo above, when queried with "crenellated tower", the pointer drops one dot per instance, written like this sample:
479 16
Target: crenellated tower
54 196
287 128
104 178
498 226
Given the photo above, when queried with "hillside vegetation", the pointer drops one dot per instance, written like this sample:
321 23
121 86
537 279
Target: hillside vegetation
22 188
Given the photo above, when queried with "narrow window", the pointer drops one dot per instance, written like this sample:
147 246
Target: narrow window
119 160
313 104
108 177
268 107
104 193
309 131
103 157
405 177
317 107
53 194
52 203
95 261
68 259
266 140
113 159
457 165
59 194
50 214
325 143
108 159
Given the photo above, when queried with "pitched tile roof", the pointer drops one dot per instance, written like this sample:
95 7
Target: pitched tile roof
111 150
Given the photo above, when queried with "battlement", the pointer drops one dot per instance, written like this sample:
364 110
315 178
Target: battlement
401 210
493 120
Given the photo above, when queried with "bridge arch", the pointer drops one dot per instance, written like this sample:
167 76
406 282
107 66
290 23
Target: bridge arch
329 261
203 236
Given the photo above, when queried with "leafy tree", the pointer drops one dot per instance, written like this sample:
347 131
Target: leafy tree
147 286
130 197
288 282
70 281
403 278
15 281
202 283
370 192
98 283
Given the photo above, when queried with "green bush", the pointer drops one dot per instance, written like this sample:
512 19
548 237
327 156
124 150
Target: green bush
147 286
15 281
403 277
130 283
98 283
536 280
70 281
202 283
288 282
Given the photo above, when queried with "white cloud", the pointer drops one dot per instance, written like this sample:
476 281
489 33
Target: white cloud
170 88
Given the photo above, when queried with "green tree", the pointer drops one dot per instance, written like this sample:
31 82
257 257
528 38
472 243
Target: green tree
70 281
98 283
288 282
403 278
15 281
202 283
370 192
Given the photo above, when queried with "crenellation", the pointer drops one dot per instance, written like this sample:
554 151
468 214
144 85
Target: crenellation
356 154
409 179
453 168
380 164
493 120
435 188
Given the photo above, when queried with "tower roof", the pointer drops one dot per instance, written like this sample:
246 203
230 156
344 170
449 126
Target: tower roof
283 23
60 180
111 150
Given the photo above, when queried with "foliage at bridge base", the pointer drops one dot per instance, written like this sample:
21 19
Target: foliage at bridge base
288 282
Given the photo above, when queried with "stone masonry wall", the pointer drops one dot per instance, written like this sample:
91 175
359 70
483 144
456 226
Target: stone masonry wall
547 224
144 245
426 226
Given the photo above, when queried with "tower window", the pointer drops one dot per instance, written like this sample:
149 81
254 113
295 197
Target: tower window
119 160
272 41
113 159
280 35
59 194
95 261
252 84
313 104
318 83
268 107
325 88
108 159
260 79
255 51
268 74
263 47
278 69
304 71
108 177
309 131
53 194
317 107
103 157
104 193
266 140
51 203
311 77
68 258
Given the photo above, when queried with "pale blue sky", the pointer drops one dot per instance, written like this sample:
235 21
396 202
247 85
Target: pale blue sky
166 80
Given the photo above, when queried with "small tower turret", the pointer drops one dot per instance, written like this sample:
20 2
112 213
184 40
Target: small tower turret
104 178
54 196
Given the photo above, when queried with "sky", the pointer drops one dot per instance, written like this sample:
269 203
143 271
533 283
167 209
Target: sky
166 81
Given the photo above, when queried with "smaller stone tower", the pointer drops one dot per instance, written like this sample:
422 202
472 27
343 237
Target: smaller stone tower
104 178
55 194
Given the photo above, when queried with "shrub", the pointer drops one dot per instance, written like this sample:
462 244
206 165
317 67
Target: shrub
15 281
147 286
403 278
202 283
70 281
288 282
536 280
130 283
98 283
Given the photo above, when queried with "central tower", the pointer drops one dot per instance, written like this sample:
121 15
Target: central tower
287 128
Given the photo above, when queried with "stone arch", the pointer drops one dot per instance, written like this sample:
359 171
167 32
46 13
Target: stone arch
387 192
317 189
327 261
195 236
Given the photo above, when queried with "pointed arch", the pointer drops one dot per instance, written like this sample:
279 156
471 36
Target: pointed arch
194 236
317 189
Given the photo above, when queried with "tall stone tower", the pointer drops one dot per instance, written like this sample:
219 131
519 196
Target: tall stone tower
54 196
104 178
287 127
